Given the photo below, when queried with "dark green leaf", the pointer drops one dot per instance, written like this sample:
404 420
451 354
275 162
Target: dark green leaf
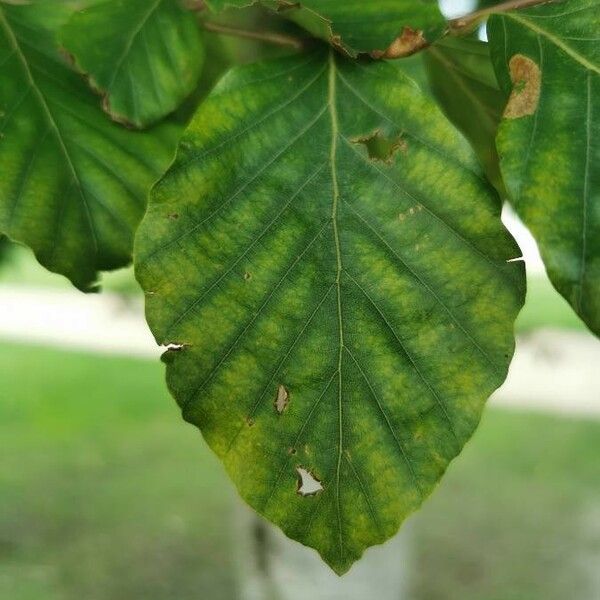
73 184
387 27
338 318
462 79
549 140
143 56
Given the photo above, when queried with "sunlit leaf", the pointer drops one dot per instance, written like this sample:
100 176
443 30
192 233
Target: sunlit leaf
143 56
331 269
73 185
548 59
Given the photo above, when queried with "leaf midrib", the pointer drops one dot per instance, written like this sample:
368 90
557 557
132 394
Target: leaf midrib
331 102
153 8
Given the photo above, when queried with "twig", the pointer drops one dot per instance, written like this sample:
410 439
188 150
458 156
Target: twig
468 22
263 36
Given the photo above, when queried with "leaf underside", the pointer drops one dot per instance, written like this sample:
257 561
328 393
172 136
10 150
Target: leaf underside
548 58
144 57
73 184
360 27
340 318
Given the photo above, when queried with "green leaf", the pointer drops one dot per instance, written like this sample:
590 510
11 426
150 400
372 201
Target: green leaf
73 184
390 28
341 308
549 139
462 79
144 57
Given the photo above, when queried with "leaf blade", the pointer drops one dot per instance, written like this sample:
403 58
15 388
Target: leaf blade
73 185
547 60
389 27
144 58
298 262
462 78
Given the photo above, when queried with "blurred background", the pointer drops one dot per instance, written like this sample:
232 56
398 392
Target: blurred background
106 494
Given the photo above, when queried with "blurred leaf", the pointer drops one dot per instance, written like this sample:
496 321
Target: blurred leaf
73 184
548 59
332 265
463 81
241 50
144 57
393 27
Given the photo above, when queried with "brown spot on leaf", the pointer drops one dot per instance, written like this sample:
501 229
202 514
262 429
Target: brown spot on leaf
282 399
409 42
527 79
308 484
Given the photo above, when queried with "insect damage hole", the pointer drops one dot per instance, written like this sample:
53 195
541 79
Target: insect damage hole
380 147
308 484
282 399
174 347
525 96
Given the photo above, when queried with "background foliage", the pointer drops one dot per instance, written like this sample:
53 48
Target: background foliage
318 205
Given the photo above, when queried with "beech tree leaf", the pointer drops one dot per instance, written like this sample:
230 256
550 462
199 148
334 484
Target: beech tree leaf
144 57
548 59
331 269
386 28
73 184
462 79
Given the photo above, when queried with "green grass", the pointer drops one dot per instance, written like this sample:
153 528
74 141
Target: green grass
105 494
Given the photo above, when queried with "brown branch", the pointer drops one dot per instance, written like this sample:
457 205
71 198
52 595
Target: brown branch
264 36
469 22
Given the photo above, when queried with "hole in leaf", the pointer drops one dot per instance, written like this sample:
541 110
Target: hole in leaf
380 147
282 399
308 484
174 347
247 276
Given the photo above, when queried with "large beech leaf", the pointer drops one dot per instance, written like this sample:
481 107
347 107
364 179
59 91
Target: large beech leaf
392 28
73 185
332 268
462 79
143 56
549 139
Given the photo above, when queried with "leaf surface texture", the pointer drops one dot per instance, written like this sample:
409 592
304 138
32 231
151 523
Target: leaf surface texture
331 264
